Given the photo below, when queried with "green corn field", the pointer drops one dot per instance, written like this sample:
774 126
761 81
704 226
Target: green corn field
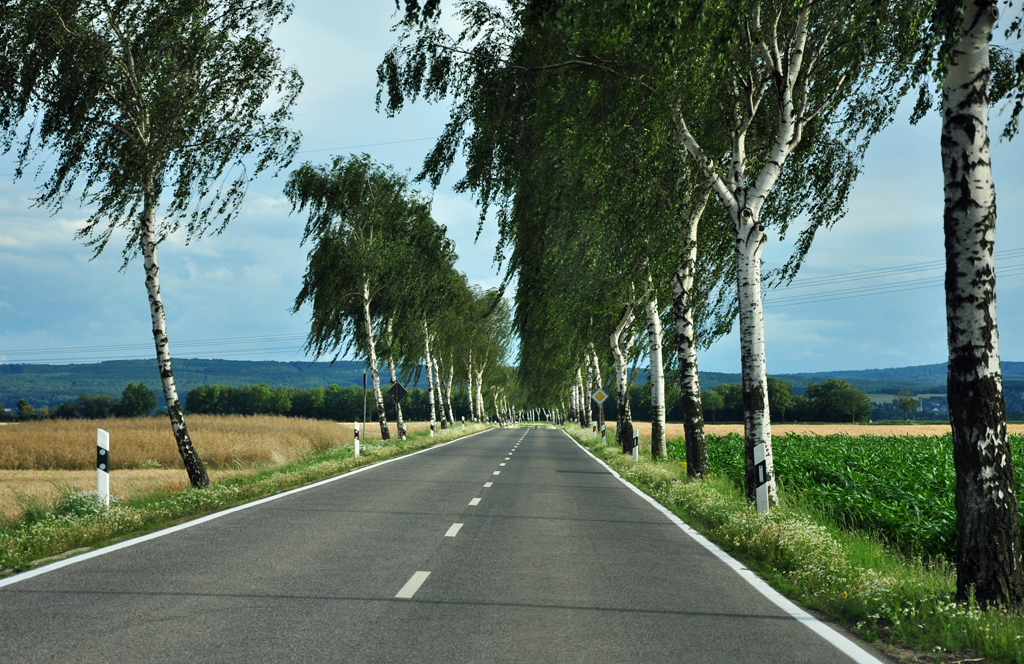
899 487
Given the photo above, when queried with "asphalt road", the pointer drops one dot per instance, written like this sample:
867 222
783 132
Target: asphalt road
555 561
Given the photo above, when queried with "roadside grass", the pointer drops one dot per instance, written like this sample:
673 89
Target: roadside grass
75 521
881 594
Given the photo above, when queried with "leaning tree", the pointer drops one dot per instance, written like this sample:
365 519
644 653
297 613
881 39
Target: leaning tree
145 107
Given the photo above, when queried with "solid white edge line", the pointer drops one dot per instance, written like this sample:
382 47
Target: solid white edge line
454 530
842 643
28 574
412 585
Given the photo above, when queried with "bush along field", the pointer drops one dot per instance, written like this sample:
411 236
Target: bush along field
75 522
895 595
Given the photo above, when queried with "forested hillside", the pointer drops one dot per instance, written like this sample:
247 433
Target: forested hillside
50 385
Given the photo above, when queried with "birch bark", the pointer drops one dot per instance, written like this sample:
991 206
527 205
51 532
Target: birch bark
371 352
587 391
393 374
580 408
988 523
440 393
654 338
469 388
197 476
624 425
480 391
598 383
430 376
398 406
448 391
697 464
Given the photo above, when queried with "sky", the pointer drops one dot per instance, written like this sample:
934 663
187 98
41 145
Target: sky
230 296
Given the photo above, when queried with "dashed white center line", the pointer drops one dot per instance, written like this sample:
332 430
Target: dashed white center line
497 472
475 501
501 464
454 530
487 485
412 585
508 457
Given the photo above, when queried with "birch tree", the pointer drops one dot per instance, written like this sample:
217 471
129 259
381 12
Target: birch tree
365 226
150 111
989 556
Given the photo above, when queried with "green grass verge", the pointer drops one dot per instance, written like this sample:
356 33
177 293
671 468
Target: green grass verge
882 594
75 520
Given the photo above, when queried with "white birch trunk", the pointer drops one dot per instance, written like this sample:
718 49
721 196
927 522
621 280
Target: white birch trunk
624 425
371 352
430 376
989 557
398 406
469 387
697 464
394 378
659 450
197 475
448 391
598 384
587 391
440 393
480 391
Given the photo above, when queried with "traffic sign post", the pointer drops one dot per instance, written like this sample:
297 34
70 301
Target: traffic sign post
636 443
398 392
761 478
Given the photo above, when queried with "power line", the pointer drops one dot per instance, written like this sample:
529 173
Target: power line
880 289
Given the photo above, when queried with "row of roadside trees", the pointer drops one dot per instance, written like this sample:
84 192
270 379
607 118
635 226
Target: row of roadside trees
641 153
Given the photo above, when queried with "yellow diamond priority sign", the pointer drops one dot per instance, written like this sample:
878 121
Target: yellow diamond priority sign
600 396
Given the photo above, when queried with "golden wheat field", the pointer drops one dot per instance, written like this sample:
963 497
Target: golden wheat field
38 458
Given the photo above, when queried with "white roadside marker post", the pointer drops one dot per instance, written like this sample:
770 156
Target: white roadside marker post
431 429
636 444
355 438
403 433
604 436
103 467
761 478
593 430
463 421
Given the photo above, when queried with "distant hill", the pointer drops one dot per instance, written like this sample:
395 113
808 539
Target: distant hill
50 385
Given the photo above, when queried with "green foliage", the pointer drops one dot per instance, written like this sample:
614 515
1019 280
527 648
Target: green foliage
96 406
341 404
901 487
137 400
129 96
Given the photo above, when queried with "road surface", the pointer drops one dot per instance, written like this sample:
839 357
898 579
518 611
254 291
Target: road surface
512 545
